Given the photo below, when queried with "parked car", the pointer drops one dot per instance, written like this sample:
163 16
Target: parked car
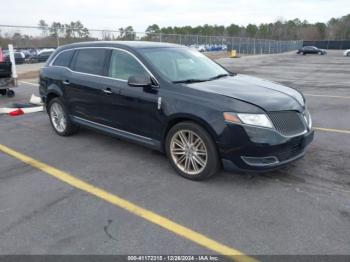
311 50
176 100
347 52
41 56
201 48
26 53
19 57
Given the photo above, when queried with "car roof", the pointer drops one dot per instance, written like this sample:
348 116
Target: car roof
125 44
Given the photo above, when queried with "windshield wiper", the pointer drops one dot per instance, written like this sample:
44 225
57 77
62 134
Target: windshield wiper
218 76
188 81
193 80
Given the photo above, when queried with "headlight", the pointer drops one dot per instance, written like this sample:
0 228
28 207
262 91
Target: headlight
249 119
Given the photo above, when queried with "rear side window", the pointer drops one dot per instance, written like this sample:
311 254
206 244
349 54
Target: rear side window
122 65
64 58
91 61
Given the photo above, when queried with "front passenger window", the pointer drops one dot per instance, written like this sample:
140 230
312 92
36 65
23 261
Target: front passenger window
122 65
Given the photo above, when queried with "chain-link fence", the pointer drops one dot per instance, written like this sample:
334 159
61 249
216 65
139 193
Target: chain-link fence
48 37
329 44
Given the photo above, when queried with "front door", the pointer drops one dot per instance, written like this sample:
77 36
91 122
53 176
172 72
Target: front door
135 109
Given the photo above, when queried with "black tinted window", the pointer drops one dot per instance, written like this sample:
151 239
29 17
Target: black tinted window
64 58
123 65
90 61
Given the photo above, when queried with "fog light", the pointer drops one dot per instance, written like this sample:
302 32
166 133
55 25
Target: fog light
260 161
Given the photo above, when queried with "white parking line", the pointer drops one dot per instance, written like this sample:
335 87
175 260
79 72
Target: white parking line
29 83
343 131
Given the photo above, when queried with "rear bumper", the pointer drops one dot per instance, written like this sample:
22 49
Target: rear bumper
257 149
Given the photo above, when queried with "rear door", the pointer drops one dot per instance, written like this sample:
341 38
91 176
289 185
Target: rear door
86 85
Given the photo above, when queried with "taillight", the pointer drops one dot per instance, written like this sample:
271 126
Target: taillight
1 56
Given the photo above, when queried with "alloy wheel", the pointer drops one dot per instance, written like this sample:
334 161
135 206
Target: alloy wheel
58 117
188 152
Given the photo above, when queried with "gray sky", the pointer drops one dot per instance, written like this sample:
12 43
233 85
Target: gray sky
113 14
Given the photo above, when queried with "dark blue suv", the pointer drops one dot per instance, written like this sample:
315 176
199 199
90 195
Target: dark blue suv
175 100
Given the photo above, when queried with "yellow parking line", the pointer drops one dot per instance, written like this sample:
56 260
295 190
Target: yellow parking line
152 217
331 96
343 131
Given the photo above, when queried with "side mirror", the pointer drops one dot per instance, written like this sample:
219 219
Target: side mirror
139 81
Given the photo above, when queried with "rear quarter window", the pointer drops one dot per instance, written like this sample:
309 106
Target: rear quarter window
64 58
90 61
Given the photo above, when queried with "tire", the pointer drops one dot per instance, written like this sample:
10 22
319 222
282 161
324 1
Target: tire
348 54
10 93
59 119
203 155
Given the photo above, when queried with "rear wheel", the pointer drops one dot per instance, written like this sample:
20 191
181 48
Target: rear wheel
192 151
59 118
348 54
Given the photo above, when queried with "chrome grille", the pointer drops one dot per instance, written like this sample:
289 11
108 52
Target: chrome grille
288 123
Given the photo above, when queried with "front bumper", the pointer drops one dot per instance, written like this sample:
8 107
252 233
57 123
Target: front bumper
248 148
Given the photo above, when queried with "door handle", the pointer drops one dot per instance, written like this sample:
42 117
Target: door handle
107 91
66 82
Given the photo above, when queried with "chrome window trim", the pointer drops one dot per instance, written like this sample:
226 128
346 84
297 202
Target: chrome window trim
102 47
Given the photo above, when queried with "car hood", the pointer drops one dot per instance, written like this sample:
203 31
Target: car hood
267 95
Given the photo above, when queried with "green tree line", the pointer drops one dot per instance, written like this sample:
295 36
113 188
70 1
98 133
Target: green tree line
61 33
334 29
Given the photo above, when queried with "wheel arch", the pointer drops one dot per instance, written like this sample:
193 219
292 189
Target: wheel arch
53 91
183 118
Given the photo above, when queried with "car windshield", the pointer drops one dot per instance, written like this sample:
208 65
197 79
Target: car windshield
183 65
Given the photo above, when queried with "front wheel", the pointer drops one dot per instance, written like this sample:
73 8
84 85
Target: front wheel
59 118
192 151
